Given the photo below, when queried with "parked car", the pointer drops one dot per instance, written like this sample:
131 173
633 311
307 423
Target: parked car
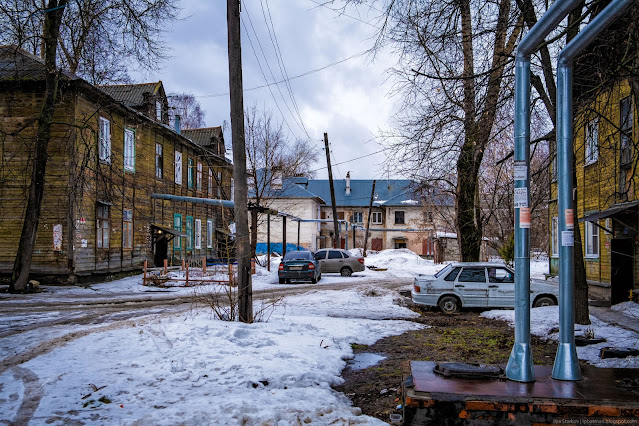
299 265
338 260
473 284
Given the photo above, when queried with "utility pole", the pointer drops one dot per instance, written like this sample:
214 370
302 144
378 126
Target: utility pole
368 219
242 245
330 181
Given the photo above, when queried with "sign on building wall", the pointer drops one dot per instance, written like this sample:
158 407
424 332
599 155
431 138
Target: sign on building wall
57 237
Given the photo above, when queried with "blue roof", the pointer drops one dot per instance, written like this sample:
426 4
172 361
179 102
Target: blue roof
393 192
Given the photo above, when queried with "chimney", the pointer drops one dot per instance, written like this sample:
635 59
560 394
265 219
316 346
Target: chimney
348 183
178 124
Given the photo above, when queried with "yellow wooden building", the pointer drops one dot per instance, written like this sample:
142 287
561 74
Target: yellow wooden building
111 148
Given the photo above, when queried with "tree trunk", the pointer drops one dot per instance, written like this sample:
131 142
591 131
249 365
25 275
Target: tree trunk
24 257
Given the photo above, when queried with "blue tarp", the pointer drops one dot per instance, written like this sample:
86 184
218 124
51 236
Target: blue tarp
260 248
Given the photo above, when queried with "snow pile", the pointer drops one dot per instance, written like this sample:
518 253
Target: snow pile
544 322
174 369
402 260
630 309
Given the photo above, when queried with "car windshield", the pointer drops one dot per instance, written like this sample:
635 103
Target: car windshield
443 271
298 255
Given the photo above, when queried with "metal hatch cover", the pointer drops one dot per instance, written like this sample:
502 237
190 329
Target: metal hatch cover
464 370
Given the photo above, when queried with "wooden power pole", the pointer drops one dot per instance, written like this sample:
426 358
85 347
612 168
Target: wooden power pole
242 245
368 219
330 181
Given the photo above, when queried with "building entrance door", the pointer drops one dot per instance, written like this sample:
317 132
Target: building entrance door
622 263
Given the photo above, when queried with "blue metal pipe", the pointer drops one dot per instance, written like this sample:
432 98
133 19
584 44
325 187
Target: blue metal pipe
520 363
566 365
195 200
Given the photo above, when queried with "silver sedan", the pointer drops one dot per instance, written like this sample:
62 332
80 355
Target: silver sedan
338 260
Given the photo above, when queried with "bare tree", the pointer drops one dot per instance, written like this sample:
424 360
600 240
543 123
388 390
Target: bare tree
132 26
188 108
98 40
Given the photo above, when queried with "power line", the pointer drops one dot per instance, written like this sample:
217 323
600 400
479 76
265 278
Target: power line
332 64
280 61
350 161
340 13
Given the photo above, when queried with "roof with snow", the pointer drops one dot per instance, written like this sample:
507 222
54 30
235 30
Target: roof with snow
387 192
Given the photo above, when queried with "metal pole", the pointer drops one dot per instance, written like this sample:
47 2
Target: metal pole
283 236
332 187
520 364
566 366
268 242
298 234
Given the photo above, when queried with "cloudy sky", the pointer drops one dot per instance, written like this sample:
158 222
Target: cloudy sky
348 100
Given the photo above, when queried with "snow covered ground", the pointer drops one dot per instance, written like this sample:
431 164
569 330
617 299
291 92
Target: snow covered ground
544 322
189 368
192 369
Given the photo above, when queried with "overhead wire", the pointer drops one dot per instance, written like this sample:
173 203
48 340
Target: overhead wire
280 60
268 66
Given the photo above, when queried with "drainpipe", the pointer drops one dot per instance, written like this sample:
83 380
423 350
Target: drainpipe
520 365
566 365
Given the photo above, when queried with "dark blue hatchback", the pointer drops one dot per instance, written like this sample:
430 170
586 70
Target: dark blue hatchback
299 265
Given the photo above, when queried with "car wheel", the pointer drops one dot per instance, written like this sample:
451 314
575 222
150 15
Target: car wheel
282 280
314 280
544 301
448 304
346 271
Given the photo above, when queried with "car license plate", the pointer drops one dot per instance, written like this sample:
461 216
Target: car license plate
295 268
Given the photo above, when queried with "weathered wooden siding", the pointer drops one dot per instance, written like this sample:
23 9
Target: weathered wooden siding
19 106
76 181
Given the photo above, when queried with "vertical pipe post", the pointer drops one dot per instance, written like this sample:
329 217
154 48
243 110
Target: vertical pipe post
283 236
520 364
566 366
268 242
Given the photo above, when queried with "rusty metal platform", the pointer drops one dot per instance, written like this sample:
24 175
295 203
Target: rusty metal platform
604 393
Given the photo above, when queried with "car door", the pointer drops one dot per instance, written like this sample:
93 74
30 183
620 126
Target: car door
471 285
320 256
501 287
334 261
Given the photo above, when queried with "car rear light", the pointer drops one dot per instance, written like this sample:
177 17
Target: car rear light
281 268
417 288
361 260
310 265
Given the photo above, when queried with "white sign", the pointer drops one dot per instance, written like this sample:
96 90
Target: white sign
84 243
521 197
521 170
567 238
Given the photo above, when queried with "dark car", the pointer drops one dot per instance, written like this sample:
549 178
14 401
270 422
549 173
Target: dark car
299 265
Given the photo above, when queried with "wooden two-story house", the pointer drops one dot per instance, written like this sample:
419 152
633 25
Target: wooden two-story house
111 153
606 166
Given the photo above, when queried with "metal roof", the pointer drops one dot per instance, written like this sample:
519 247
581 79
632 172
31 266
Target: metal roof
132 95
393 192
18 64
206 136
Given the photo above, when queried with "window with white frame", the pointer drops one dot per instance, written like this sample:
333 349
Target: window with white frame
102 225
177 225
158 110
129 150
592 141
219 185
198 233
178 167
209 233
210 186
232 190
376 218
127 228
555 236
358 217
159 161
105 140
189 232
592 240
189 173
199 177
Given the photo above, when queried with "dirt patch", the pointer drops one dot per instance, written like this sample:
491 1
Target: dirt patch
463 337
